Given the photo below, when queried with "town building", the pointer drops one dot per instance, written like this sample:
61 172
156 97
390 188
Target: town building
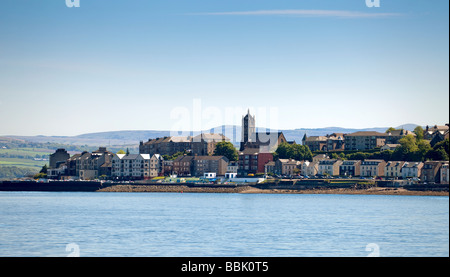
182 165
431 172
89 166
156 166
393 169
331 142
248 129
269 168
57 173
412 170
209 164
252 161
315 143
389 146
202 144
329 167
393 137
372 168
320 157
71 163
365 140
60 156
136 166
436 133
267 142
287 167
233 167
310 168
350 168
168 167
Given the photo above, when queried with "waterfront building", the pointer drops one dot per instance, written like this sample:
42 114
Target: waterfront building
93 165
310 168
372 168
269 168
412 170
71 163
253 161
287 167
182 165
131 166
350 168
60 156
329 167
167 167
209 164
393 169
233 167
431 172
57 173
156 166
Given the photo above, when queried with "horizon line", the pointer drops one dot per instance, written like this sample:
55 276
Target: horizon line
219 127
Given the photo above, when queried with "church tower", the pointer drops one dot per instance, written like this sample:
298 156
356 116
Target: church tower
248 129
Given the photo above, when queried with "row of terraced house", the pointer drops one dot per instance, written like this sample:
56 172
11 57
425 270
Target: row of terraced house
105 164
429 171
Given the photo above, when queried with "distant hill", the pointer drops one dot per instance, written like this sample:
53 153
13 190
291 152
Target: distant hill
132 138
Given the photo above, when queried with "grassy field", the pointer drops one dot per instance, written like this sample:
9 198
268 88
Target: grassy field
27 151
22 163
24 158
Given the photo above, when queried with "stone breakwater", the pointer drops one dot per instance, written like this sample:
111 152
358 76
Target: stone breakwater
276 188
173 188
252 189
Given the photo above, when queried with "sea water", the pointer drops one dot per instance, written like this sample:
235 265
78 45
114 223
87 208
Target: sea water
101 224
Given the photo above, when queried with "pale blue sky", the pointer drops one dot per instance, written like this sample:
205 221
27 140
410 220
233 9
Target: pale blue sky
125 65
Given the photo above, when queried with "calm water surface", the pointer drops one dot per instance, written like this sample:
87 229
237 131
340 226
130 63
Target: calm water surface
189 224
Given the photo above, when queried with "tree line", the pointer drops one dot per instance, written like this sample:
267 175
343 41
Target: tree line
411 149
7 155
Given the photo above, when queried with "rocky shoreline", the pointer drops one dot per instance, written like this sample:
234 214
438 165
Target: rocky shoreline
250 189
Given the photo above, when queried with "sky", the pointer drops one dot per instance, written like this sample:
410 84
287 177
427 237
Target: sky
111 65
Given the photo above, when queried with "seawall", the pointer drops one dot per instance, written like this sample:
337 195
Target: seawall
309 187
50 186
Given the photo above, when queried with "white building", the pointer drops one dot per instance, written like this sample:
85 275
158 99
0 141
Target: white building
412 170
210 175
136 166
310 168
393 169
230 175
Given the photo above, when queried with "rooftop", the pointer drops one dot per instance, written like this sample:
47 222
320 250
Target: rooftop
366 134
